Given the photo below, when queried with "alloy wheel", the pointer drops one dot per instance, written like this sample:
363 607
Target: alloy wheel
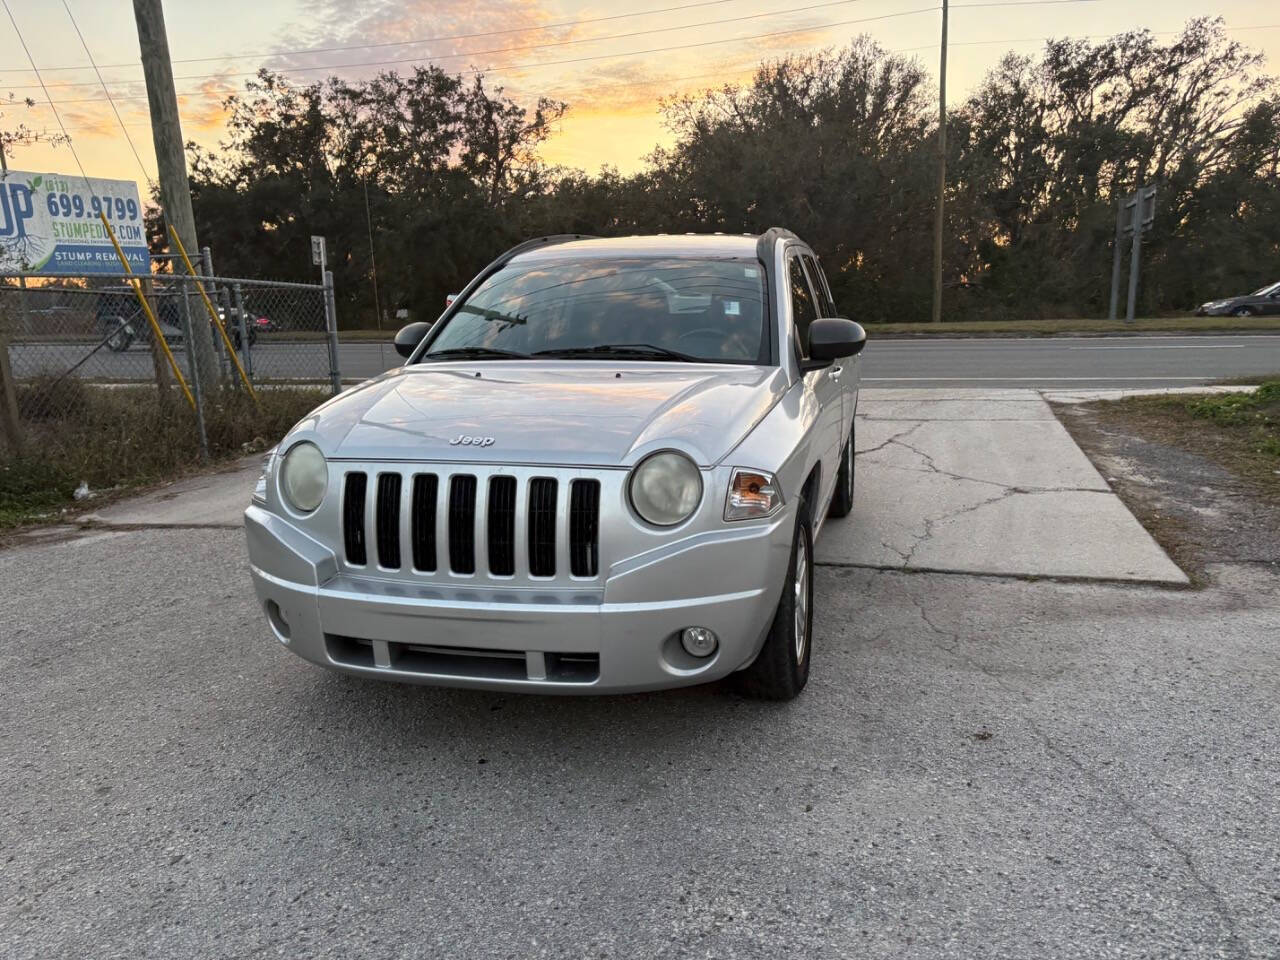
801 606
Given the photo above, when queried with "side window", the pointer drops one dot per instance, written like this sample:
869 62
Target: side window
826 307
804 308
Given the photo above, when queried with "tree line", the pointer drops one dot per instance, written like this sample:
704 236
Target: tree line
442 173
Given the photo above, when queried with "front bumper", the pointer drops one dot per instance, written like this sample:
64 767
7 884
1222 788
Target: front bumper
617 635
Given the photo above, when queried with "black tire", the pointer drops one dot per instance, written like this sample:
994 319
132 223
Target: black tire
782 668
1242 312
842 499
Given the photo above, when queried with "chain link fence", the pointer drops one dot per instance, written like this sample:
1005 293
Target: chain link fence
67 338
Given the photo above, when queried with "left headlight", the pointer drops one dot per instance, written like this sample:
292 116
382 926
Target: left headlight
304 476
666 488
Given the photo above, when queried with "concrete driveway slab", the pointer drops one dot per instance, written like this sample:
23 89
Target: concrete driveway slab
210 499
992 485
980 769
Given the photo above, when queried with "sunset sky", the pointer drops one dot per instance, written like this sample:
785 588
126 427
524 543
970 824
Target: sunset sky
625 55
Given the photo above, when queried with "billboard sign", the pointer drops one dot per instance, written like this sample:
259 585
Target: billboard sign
49 224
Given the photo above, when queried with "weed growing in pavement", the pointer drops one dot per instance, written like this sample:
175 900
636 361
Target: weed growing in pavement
118 437
1256 414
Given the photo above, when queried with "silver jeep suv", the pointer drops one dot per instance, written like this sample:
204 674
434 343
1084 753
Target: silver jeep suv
601 470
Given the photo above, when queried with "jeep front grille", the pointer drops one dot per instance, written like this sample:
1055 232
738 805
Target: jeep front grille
423 532
584 522
462 524
500 525
388 522
353 518
542 527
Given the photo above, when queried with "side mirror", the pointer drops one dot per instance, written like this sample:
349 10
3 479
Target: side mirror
409 336
831 338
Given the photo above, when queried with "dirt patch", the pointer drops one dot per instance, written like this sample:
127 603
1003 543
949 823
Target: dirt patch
1205 493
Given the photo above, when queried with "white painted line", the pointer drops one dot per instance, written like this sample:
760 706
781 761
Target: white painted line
1022 379
1171 346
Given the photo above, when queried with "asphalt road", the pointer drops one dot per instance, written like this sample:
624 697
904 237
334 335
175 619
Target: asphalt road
1140 361
979 768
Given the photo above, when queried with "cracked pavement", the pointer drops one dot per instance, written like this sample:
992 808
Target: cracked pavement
980 768
989 482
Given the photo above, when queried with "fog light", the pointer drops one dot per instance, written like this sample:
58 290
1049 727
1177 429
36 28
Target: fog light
698 641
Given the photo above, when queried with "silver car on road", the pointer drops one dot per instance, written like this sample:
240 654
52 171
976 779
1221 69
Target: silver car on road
601 470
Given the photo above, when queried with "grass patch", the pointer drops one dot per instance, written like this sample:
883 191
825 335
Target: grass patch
115 438
1240 431
1051 328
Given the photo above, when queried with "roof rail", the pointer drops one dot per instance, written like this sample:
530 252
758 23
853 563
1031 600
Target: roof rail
764 246
538 242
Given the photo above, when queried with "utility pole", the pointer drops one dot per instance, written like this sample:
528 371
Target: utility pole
942 172
171 160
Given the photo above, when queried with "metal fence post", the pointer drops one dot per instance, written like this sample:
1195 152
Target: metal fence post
195 373
211 289
331 324
9 417
245 352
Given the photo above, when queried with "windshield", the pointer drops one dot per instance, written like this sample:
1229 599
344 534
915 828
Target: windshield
1266 291
702 310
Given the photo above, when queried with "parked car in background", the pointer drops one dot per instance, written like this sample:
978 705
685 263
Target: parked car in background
253 325
603 469
1261 302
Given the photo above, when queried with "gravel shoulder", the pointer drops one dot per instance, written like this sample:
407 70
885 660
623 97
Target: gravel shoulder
1200 491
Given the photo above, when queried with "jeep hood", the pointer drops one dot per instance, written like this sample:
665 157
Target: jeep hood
587 413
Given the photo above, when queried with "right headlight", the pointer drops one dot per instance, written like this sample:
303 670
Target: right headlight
304 476
665 488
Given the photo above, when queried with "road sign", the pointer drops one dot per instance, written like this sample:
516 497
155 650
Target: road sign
1146 197
49 224
318 251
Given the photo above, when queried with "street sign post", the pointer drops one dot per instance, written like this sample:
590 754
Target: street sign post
1135 214
49 224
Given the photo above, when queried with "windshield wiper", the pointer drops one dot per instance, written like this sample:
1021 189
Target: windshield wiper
607 351
474 353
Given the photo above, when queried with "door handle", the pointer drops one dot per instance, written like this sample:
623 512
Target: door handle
835 372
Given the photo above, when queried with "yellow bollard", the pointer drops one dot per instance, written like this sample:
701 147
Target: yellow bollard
146 308
213 315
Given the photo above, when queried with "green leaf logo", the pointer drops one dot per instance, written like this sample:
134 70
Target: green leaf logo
36 182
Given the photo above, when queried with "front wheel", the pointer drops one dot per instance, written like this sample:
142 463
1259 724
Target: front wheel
1242 312
782 668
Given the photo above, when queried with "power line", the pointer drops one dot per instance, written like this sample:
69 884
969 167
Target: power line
931 46
531 46
404 43
579 40
603 56
114 109
31 60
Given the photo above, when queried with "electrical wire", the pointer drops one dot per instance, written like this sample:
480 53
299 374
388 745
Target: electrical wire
573 60
53 106
580 40
141 166
524 47
402 43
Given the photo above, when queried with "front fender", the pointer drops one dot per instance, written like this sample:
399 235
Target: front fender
784 442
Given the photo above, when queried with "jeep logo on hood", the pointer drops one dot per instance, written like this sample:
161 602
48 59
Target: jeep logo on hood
466 441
